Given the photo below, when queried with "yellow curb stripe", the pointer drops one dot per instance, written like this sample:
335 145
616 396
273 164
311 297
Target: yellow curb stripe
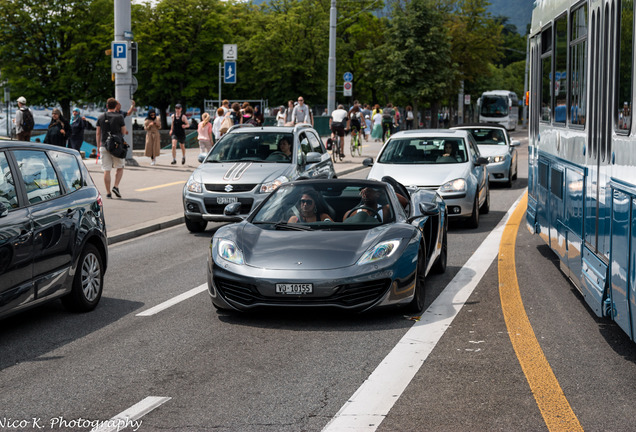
160 186
552 403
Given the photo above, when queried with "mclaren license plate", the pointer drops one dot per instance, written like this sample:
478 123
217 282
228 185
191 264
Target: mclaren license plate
294 289
226 200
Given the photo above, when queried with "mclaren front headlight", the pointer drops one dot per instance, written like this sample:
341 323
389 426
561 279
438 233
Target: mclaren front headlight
457 185
228 251
379 252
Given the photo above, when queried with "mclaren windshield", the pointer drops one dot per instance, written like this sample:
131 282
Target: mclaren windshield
326 205
259 146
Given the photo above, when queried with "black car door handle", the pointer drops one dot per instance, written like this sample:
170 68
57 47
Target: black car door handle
70 212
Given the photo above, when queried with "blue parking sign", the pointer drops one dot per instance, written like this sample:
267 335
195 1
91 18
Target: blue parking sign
229 72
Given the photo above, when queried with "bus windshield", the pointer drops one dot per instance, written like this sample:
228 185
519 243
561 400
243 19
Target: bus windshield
494 106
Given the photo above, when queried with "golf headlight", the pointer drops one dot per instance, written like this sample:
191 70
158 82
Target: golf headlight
228 250
496 159
379 251
273 185
194 186
457 185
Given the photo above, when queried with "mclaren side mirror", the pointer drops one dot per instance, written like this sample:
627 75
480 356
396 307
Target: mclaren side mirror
233 209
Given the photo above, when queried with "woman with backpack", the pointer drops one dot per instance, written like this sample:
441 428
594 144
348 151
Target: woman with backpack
59 129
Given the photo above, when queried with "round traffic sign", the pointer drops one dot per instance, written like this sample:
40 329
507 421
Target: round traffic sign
347 85
348 76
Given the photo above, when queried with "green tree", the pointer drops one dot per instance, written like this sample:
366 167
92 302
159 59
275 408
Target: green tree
414 64
53 54
180 46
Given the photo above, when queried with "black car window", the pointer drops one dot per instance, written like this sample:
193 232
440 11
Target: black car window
69 168
39 177
8 195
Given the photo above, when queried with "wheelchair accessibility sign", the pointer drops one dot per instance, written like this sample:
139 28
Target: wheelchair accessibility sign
119 59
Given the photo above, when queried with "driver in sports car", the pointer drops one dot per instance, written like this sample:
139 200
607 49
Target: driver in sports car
371 207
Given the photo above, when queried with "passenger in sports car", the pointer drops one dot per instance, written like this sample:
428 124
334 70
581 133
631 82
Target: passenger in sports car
370 205
309 209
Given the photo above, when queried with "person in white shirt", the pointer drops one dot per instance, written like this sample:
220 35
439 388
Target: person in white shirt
376 132
280 116
216 126
338 122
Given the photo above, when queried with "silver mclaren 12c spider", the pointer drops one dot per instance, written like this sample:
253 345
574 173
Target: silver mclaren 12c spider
348 244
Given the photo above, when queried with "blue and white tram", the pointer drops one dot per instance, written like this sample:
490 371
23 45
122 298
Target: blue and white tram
582 148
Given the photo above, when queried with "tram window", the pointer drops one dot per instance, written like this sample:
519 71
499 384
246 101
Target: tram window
578 60
546 74
543 174
624 99
561 66
556 183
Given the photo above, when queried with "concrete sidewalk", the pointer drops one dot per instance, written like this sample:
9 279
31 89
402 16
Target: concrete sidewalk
151 195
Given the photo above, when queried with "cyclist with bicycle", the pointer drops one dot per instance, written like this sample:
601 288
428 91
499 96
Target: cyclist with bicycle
388 120
338 122
355 125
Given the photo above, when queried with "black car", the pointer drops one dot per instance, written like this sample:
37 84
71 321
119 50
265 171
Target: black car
52 230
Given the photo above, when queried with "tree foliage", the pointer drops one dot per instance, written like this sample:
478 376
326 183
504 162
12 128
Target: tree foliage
53 54
414 52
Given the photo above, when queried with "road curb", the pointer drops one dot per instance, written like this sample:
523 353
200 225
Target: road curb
144 228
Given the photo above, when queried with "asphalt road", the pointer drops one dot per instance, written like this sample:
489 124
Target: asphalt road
295 370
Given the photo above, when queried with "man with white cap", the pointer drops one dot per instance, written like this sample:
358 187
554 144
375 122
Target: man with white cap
23 121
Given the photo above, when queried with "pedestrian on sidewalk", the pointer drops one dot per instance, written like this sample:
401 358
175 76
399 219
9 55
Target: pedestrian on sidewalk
376 132
177 132
152 125
59 129
23 120
113 122
78 126
205 131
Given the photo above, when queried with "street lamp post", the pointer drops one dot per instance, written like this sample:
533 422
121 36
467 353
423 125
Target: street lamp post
331 80
124 80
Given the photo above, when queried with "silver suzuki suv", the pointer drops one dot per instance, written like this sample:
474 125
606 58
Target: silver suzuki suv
245 165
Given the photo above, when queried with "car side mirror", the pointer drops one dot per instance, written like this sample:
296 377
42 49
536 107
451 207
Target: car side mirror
429 208
368 162
201 157
425 209
232 209
313 157
482 160
515 143
4 211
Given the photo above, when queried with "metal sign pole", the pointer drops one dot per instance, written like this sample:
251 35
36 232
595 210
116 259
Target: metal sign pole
123 80
220 73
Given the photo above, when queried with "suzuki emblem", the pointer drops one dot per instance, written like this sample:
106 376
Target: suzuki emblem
229 188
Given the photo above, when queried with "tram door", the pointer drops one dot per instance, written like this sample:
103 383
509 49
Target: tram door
598 197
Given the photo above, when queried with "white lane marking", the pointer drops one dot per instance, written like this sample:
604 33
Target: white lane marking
128 418
173 301
371 403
